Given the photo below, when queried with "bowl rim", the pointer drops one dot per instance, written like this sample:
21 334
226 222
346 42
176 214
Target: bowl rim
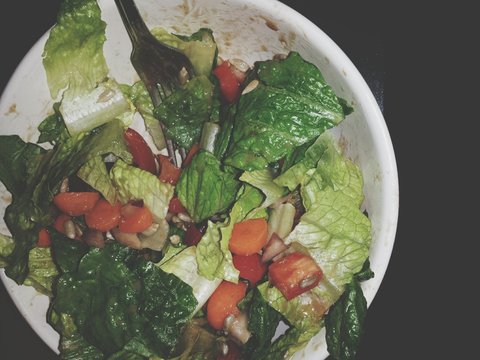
373 115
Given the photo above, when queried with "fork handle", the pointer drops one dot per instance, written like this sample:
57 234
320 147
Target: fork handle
132 20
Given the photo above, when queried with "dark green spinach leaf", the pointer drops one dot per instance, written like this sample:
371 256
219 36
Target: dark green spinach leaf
345 320
262 323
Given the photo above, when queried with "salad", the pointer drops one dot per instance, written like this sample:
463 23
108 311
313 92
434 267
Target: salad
258 227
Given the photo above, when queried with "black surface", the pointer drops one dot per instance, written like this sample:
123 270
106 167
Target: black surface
359 31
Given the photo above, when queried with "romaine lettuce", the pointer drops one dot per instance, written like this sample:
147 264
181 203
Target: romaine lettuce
184 266
33 176
213 256
204 188
200 47
291 106
94 172
74 63
333 229
186 110
73 54
133 183
118 301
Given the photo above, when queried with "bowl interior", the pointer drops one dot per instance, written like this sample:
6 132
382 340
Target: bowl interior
247 30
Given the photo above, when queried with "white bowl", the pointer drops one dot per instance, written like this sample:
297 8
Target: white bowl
250 30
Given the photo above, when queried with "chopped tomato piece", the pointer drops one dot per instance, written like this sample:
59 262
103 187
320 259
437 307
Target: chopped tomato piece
175 206
104 216
229 84
192 235
142 154
76 203
135 219
249 236
44 238
169 173
251 267
191 153
295 274
223 302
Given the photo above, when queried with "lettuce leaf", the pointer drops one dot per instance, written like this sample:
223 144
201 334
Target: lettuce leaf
73 54
94 172
200 47
133 183
184 266
291 106
140 98
204 188
263 180
118 301
42 268
213 256
293 176
186 110
42 271
33 176
333 229
6 247
52 129
262 323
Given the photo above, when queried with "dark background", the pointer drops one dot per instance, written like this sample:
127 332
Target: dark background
360 31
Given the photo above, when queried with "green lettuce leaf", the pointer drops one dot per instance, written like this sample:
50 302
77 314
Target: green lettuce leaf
73 54
42 271
35 177
184 266
204 188
213 256
6 247
262 324
94 172
263 180
73 345
133 183
288 344
333 229
114 296
345 323
295 174
140 98
186 110
291 106
52 129
42 268
200 47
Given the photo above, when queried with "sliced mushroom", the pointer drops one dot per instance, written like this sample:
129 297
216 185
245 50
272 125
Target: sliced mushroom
274 248
237 327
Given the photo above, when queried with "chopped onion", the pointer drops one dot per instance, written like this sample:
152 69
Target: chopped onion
274 247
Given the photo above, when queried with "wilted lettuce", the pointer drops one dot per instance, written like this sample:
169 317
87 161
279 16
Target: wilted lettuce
33 176
119 302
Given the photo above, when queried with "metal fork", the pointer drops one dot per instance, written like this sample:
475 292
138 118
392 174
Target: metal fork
160 67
